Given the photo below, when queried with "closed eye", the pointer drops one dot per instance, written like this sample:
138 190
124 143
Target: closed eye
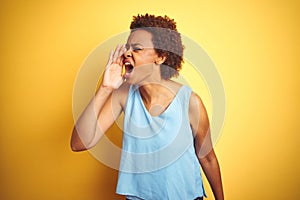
135 49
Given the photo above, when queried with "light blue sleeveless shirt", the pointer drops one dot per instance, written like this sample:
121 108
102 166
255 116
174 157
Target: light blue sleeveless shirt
158 160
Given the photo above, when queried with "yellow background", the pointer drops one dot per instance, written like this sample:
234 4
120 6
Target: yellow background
254 44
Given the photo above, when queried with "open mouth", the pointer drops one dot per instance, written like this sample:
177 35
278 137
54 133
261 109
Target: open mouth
128 67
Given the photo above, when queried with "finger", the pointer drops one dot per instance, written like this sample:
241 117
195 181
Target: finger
120 55
116 53
123 50
110 59
119 60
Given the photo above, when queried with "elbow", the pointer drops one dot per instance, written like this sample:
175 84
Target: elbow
76 144
209 159
76 148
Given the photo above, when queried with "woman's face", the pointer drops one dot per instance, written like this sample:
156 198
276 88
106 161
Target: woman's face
140 57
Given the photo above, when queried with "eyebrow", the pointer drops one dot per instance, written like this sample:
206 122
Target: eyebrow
134 44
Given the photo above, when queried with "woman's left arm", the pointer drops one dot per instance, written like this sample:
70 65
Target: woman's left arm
203 145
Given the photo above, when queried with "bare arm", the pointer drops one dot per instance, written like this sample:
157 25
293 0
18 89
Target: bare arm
103 109
203 145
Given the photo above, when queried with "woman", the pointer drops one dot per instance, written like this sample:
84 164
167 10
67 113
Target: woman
166 133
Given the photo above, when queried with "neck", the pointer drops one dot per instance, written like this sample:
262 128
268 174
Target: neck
152 91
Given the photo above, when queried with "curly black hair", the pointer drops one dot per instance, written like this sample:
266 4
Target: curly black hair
166 40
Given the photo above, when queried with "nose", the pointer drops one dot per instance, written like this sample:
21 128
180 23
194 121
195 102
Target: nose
127 53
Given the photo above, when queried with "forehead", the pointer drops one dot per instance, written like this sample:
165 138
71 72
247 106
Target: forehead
141 37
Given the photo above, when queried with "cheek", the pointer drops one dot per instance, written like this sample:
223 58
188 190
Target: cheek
151 56
145 59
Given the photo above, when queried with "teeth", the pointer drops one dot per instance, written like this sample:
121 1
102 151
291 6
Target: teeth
127 68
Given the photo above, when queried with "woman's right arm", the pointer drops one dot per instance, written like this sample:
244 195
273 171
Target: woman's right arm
104 107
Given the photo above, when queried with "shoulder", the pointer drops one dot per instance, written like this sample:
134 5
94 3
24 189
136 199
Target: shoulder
197 112
195 101
196 105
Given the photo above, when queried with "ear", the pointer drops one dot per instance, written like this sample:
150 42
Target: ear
160 60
